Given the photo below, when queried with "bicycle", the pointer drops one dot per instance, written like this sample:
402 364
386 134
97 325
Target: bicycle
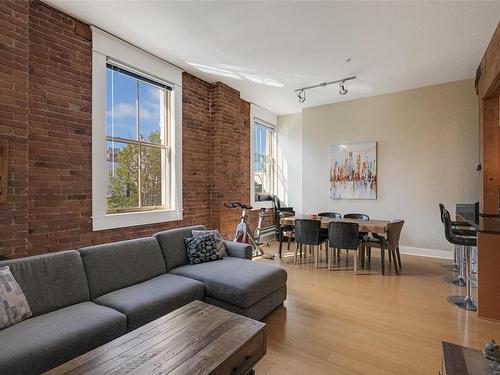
244 233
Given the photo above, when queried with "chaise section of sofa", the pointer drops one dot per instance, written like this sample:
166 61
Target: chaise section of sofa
130 277
236 283
64 324
242 286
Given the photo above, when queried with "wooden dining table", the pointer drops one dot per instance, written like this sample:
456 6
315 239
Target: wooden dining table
368 226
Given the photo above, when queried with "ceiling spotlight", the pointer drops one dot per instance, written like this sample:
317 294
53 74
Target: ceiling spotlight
301 93
302 96
343 88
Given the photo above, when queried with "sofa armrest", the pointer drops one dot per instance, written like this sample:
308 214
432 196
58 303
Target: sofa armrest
238 249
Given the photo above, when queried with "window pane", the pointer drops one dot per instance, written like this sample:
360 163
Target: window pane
122 166
151 113
121 105
151 176
263 161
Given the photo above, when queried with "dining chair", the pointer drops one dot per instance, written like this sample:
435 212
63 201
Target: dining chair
390 242
362 235
285 231
333 215
308 233
357 216
343 235
289 233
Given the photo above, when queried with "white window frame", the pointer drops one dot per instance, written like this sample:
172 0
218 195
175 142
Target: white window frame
106 46
264 117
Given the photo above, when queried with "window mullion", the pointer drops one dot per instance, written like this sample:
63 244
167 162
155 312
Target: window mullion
139 197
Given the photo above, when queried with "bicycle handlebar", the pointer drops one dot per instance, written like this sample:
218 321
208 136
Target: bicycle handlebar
238 205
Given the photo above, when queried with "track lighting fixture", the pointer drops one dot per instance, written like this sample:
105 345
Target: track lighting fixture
301 93
302 96
343 88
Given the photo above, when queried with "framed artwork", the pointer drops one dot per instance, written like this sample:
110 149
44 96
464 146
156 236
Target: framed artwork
353 171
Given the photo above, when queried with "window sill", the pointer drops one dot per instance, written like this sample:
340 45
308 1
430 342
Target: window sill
130 219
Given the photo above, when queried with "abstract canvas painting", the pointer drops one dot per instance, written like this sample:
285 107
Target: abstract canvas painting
353 171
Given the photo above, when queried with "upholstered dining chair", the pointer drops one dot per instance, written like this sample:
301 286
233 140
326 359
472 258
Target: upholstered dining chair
342 235
359 217
333 215
308 233
389 243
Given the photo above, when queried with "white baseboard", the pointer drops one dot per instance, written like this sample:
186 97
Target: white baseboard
421 252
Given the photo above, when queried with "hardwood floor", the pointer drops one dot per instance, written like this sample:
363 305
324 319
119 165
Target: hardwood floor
334 322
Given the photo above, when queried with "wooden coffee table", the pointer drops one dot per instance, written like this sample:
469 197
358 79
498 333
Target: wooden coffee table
195 339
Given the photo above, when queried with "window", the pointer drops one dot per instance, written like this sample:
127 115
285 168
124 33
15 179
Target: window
136 142
263 159
136 136
263 155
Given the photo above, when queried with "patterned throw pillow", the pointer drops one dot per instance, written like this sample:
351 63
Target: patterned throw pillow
218 239
13 305
202 249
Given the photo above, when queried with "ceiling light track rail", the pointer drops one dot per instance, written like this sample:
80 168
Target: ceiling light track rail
301 93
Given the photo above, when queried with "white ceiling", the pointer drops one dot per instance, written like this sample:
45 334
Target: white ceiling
255 47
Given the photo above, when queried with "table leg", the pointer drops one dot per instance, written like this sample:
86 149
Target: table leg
281 241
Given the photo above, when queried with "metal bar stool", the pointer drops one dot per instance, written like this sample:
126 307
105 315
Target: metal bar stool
464 302
457 253
459 228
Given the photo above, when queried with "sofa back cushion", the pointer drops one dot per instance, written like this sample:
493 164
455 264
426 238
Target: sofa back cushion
51 281
173 247
121 264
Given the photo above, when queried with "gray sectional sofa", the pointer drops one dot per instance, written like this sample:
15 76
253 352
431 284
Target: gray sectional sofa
83 299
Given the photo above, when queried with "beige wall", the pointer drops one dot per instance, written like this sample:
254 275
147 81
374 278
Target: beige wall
289 160
427 153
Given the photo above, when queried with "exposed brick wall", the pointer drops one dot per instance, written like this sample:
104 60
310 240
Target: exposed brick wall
45 109
13 123
60 65
229 177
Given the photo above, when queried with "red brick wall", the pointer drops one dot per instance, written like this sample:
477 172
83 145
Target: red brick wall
13 123
230 167
45 109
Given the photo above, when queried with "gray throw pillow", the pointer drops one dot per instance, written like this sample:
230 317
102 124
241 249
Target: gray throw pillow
218 239
202 249
14 307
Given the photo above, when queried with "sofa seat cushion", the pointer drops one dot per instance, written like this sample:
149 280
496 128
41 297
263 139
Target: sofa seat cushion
38 344
149 300
240 282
